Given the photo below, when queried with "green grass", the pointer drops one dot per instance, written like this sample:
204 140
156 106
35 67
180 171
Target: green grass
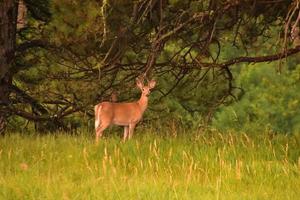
152 165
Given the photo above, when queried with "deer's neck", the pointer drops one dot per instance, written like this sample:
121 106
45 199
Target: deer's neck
143 102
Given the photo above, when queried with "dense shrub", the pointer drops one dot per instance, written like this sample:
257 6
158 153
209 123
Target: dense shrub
270 101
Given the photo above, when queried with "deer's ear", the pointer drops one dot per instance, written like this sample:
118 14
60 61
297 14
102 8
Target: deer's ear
152 84
139 83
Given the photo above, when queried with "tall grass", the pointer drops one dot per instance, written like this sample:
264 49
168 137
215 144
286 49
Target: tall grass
153 165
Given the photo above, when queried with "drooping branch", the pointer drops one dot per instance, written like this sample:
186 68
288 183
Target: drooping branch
259 59
32 44
25 98
40 118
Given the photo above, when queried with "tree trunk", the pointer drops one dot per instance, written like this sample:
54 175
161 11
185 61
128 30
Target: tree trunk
8 26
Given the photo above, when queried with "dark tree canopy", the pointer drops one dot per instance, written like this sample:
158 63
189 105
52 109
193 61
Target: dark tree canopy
73 54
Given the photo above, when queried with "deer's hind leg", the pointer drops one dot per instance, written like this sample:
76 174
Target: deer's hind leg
100 129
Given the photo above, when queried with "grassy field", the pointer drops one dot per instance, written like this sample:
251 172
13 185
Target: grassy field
152 165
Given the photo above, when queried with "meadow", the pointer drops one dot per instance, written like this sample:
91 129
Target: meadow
153 165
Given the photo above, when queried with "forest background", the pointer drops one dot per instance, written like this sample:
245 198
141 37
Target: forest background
223 64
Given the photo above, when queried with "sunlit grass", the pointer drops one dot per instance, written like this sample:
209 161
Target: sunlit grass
152 165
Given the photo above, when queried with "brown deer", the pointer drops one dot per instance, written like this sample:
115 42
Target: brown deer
122 114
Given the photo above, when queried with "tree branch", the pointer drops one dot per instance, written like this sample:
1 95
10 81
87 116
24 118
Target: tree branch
259 59
32 44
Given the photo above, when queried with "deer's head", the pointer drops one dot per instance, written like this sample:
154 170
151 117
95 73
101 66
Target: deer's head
146 89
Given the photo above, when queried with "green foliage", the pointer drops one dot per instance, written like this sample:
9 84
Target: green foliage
195 166
39 9
71 24
271 101
96 47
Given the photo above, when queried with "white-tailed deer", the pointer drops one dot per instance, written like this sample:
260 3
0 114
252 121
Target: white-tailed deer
122 114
